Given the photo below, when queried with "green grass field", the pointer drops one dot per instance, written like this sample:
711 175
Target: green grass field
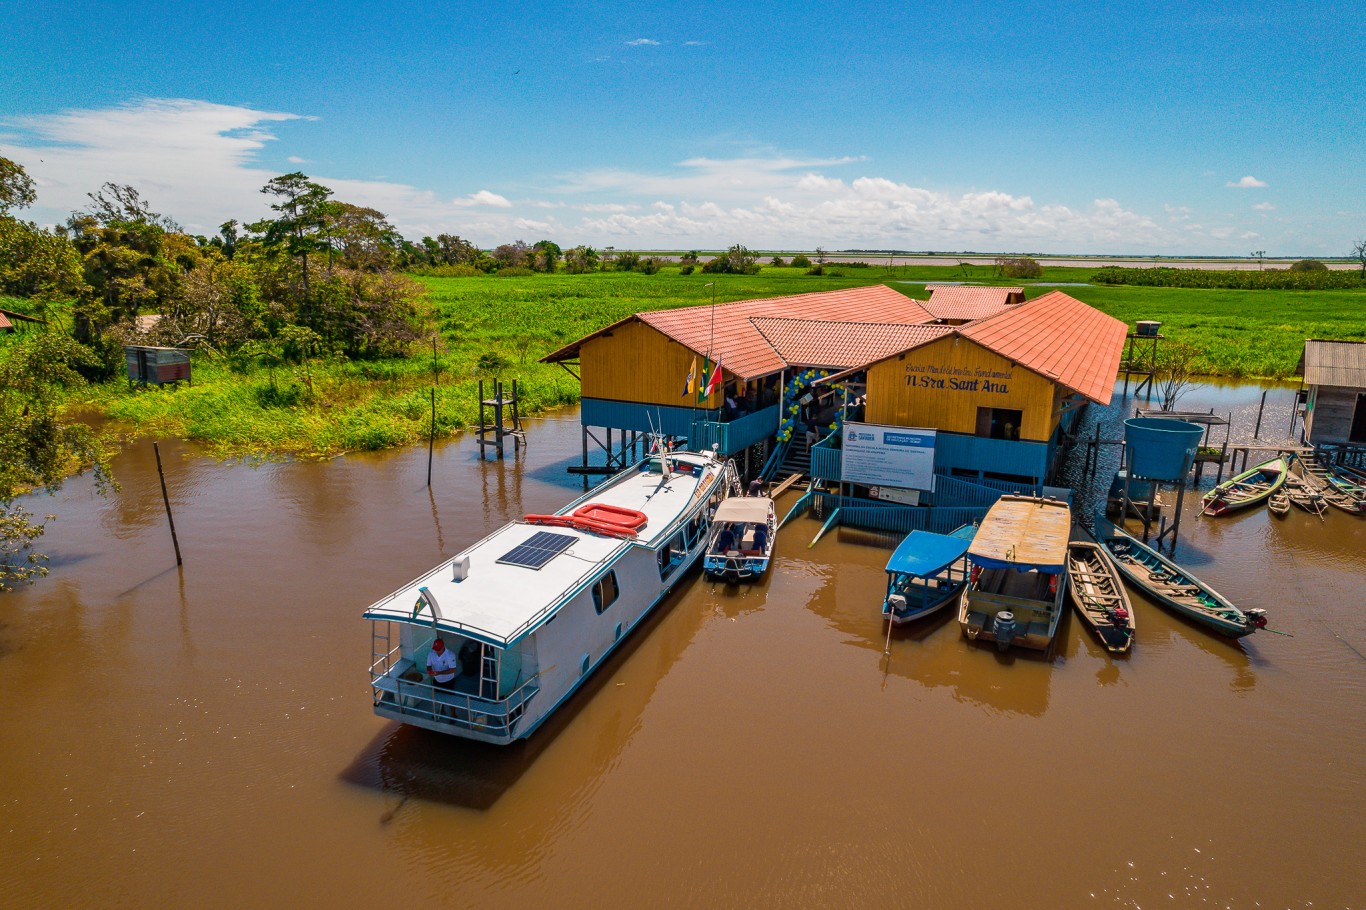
490 326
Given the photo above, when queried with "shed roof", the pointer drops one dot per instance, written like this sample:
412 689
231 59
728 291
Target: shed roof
816 343
1335 363
727 331
967 303
1058 337
4 321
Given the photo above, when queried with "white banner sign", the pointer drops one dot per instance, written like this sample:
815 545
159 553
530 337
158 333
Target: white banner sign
888 456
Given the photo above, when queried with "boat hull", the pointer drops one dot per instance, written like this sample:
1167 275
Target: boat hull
1247 489
1163 581
911 614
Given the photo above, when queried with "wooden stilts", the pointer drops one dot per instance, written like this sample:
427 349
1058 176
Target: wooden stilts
166 500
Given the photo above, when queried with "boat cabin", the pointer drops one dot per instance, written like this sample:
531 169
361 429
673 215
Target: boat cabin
1019 575
926 572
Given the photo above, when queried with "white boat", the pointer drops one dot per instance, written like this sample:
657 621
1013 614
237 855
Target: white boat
1019 577
741 541
536 606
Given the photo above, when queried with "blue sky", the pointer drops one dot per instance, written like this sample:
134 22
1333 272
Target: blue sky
1182 129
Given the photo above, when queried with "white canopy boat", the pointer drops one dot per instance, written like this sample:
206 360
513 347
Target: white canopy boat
741 541
532 609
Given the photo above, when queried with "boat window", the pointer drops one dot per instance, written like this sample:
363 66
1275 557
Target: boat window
671 555
605 592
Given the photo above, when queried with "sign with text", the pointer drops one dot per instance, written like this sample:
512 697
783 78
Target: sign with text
888 456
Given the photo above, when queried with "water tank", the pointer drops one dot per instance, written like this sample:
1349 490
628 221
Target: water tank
1161 448
1147 328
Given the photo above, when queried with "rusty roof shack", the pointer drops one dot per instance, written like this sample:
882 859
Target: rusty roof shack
1335 403
11 321
997 377
149 365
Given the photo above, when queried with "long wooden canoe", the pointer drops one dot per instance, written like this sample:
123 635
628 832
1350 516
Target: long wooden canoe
1247 489
1094 586
1175 588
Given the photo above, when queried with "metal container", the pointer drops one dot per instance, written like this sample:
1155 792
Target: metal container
1160 448
1147 328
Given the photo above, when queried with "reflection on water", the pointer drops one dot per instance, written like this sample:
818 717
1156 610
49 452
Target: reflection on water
747 746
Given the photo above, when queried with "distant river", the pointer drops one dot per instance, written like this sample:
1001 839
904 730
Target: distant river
204 737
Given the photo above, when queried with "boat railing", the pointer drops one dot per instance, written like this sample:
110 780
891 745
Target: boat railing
496 718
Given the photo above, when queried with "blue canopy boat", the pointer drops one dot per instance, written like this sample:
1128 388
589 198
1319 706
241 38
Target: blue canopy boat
926 573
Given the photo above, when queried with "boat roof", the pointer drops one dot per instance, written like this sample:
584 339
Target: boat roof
745 508
514 583
924 553
1023 532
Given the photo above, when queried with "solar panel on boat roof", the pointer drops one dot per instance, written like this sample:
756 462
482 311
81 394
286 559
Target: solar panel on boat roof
537 550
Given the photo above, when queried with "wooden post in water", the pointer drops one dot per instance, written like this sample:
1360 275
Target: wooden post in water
166 500
1257 433
431 437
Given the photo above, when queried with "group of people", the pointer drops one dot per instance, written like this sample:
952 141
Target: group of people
729 540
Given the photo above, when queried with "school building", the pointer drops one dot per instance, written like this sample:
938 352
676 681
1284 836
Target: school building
999 379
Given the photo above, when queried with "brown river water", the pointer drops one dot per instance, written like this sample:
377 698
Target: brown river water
204 737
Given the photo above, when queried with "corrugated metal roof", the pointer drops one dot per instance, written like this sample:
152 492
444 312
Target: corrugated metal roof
967 303
727 332
1059 337
1335 363
816 343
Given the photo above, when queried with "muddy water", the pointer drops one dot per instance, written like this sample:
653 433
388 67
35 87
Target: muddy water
205 735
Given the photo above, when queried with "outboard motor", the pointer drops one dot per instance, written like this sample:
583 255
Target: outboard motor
1003 627
1119 618
1257 618
895 604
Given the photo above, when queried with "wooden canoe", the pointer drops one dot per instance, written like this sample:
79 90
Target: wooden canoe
1247 489
1175 588
1341 495
1279 503
1098 595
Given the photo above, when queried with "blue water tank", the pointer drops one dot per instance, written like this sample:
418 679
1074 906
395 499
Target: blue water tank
1161 448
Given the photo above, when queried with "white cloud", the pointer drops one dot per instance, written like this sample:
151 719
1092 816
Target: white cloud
1247 183
696 43
483 197
1264 207
295 159
642 42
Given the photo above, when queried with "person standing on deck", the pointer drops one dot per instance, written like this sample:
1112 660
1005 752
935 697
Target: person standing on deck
441 665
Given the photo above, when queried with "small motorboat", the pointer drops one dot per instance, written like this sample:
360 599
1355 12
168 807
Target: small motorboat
1096 591
1247 489
1175 588
741 542
926 574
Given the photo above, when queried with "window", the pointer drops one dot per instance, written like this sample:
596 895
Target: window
999 423
671 555
605 591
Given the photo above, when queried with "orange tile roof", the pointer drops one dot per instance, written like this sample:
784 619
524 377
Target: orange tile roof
953 302
727 332
1058 337
5 323
817 343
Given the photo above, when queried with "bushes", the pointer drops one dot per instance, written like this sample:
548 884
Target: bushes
1018 267
1244 280
1308 265
800 261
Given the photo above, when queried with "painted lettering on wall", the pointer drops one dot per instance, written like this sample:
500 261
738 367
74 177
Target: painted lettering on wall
957 379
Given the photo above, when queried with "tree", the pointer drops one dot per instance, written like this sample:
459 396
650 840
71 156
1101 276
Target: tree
1308 265
1018 267
116 203
1359 252
363 236
298 231
738 260
800 261
16 186
1175 367
580 259
38 450
545 255
513 255
453 250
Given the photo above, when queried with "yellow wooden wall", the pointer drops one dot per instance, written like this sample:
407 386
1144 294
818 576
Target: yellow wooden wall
639 363
941 386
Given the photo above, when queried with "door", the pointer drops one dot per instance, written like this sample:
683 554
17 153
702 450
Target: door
1358 431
